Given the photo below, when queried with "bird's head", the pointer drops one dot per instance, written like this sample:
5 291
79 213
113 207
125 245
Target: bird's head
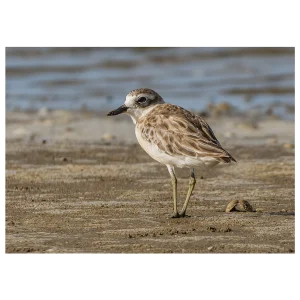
138 103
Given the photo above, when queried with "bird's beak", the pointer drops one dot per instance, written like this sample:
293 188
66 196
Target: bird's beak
118 111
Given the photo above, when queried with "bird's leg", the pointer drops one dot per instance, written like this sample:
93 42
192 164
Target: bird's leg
174 184
192 184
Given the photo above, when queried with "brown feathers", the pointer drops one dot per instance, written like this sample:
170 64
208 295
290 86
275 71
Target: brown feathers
177 131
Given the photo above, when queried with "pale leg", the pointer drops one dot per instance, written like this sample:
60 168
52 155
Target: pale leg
174 184
192 184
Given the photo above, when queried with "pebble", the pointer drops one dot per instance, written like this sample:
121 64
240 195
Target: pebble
108 137
210 248
289 146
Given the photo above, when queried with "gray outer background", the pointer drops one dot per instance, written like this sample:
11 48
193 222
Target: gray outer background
46 43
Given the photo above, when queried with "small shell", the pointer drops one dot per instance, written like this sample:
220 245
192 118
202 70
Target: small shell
238 205
289 146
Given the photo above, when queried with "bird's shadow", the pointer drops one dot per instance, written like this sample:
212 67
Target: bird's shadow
280 213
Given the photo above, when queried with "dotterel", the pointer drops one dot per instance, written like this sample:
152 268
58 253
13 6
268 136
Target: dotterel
173 136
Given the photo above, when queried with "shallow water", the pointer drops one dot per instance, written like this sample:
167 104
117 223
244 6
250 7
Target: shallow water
251 79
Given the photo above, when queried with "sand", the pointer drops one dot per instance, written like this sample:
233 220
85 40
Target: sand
79 183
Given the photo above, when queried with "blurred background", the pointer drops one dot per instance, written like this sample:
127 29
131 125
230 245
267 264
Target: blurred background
258 81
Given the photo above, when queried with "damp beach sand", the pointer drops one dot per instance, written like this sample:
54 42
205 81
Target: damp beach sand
78 182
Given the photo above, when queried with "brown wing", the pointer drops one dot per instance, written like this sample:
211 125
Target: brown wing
177 131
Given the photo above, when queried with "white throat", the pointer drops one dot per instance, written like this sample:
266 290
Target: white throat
137 113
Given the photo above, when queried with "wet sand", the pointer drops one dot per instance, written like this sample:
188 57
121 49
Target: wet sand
79 183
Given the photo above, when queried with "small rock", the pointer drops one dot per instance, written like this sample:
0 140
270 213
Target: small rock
289 146
108 137
210 248
283 210
259 209
238 205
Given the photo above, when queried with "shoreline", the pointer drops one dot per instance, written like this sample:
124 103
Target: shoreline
96 126
80 183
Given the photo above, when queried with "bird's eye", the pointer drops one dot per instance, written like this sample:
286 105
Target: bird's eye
142 100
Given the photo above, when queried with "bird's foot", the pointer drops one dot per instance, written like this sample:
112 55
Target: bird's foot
183 215
176 215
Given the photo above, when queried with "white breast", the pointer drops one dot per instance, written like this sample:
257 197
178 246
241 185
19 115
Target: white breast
175 161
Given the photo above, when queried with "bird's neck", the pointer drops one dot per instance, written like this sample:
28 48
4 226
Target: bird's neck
139 113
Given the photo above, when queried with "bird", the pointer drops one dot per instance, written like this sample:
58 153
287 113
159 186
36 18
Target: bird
173 136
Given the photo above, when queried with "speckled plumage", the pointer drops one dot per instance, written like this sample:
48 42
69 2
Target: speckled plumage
173 136
178 132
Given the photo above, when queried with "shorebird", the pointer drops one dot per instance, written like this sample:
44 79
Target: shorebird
173 136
